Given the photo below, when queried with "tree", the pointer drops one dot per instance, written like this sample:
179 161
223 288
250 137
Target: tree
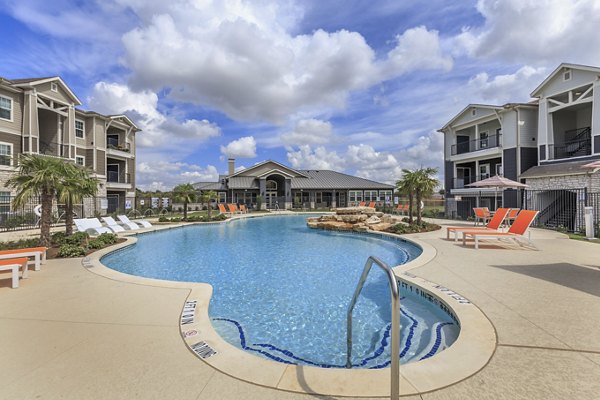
424 186
206 197
77 184
185 193
38 176
406 186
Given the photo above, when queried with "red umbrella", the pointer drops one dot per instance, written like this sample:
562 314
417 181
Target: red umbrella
497 182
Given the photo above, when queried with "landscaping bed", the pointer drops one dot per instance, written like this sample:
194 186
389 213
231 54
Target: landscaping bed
405 227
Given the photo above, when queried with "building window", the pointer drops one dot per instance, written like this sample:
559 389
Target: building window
370 195
271 185
4 202
474 112
112 141
484 171
54 87
6 108
567 75
5 154
79 128
355 196
222 197
385 195
499 170
80 160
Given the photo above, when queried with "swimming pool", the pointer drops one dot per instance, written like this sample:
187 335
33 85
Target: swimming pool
281 290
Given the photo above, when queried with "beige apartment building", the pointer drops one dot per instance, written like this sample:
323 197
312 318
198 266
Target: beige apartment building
39 116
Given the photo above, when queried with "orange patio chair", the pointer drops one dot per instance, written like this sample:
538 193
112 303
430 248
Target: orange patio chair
372 204
482 215
222 209
512 215
362 204
516 232
243 209
233 209
493 225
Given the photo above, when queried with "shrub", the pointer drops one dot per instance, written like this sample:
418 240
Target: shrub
19 244
107 238
69 250
162 218
76 239
413 228
95 244
58 238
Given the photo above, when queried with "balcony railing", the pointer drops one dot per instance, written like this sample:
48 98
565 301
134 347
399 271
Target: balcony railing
115 145
54 149
573 148
115 177
460 183
477 144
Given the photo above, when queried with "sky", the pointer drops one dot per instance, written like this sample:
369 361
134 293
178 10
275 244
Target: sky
356 86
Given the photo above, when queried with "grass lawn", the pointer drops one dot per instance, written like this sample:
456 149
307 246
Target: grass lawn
583 238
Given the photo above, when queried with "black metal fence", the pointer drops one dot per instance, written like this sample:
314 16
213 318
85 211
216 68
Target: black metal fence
28 216
562 209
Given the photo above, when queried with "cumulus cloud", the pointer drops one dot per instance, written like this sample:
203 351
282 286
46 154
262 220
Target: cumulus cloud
534 32
164 175
239 57
309 131
319 158
158 129
504 88
244 147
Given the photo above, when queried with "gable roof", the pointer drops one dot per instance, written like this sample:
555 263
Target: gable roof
280 168
39 81
126 118
464 110
327 179
581 67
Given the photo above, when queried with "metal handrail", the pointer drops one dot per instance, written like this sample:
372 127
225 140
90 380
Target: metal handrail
395 339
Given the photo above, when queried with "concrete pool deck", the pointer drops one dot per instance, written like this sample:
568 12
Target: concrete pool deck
68 333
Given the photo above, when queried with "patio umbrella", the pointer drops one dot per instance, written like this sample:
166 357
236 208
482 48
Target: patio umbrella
595 166
497 182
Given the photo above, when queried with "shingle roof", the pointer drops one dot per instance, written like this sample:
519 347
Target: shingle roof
566 168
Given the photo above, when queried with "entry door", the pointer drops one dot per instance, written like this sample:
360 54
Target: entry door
113 203
270 198
463 177
484 171
483 140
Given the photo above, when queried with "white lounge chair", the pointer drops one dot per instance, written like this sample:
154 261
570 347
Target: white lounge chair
125 219
93 228
112 224
128 225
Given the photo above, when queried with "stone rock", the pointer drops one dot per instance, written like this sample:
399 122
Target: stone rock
373 220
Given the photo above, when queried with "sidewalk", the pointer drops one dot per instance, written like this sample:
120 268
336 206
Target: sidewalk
68 333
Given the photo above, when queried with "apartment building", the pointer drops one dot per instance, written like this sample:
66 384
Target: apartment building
39 116
482 141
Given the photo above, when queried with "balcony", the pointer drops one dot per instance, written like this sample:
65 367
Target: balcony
579 146
460 183
477 144
54 149
116 177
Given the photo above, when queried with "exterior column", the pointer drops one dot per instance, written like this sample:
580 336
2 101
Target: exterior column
262 189
333 200
288 194
311 196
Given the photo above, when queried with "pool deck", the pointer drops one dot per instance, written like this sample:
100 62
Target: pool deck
68 333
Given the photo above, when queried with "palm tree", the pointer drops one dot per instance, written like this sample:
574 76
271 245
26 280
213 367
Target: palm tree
38 176
207 197
77 184
425 184
406 186
185 193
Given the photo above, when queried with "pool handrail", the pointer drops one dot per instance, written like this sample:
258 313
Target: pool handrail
395 339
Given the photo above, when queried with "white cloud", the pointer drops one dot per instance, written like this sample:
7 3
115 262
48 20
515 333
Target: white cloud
535 32
309 131
159 130
244 147
504 88
319 158
239 57
153 175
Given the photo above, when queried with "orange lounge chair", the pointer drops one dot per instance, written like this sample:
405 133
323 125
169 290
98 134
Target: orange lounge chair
372 204
222 209
38 254
243 209
482 214
516 231
233 209
512 215
362 204
493 225
13 265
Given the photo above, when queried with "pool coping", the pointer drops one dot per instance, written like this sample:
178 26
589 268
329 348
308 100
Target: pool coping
471 351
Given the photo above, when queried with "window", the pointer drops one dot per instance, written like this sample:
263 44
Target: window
271 185
483 140
54 87
79 128
4 202
222 197
355 196
474 112
5 154
112 141
385 195
370 195
484 171
6 108
80 160
499 170
567 75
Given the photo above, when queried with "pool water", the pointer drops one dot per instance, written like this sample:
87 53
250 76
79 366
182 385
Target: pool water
281 290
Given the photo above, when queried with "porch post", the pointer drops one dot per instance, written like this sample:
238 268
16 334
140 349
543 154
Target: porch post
288 194
333 200
262 188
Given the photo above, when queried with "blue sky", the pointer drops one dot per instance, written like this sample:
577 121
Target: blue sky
355 86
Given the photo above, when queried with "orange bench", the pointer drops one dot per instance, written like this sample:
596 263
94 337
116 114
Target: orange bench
13 265
38 254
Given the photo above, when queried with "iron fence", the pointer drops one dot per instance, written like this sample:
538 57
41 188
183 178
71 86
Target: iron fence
28 216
